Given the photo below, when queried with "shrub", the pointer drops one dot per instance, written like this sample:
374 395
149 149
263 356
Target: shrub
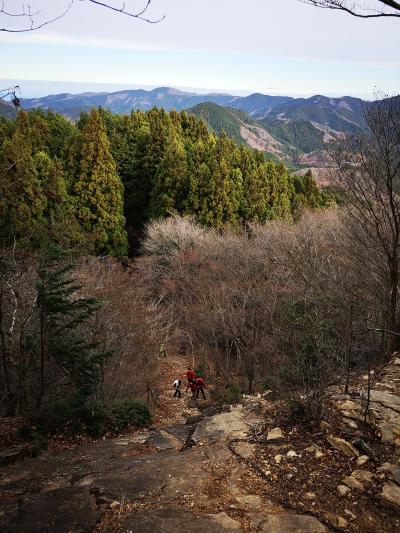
72 417
305 410
131 412
201 369
176 234
232 393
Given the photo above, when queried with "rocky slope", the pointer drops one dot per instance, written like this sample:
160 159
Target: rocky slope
227 468
159 480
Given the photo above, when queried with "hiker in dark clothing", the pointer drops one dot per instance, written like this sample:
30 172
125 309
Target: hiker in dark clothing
193 387
200 386
177 386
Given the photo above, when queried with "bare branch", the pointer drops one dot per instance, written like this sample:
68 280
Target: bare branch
122 10
29 15
358 10
33 24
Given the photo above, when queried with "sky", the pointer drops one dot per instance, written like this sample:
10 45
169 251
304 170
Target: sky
238 46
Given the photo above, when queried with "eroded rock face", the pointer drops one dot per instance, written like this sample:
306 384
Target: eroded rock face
229 425
66 509
163 441
174 520
286 523
64 491
168 474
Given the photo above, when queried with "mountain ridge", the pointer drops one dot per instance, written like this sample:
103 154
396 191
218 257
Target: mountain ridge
284 127
257 105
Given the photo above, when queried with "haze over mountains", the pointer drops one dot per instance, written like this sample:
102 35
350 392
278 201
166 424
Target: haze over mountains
293 129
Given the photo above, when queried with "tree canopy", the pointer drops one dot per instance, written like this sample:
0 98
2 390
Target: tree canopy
87 184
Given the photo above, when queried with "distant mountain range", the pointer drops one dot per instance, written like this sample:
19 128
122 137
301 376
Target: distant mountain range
294 129
6 109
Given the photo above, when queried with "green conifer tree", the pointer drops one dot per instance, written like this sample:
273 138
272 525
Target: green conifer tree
59 222
22 201
98 190
170 188
59 339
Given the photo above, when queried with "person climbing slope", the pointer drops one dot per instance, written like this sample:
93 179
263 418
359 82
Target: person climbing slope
193 388
200 386
190 376
177 387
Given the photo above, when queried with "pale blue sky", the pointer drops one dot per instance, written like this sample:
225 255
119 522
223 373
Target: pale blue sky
271 46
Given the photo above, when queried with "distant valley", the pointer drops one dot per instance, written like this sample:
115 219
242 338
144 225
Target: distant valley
292 129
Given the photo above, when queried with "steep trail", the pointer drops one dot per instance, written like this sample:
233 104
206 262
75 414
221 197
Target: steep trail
168 477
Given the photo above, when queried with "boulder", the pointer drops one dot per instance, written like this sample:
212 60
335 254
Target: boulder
342 523
274 434
362 460
343 446
359 480
392 472
390 495
354 483
342 490
291 454
222 426
387 399
349 405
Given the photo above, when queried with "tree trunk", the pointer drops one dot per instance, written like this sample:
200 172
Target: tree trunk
393 340
3 346
42 356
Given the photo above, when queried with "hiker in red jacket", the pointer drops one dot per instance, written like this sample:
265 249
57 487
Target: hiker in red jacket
193 387
200 386
190 375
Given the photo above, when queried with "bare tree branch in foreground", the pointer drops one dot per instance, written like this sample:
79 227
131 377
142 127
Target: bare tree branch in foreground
31 22
11 91
385 8
367 167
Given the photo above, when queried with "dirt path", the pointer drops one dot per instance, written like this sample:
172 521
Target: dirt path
168 410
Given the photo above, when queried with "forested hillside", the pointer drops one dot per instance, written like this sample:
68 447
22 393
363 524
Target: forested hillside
84 184
293 130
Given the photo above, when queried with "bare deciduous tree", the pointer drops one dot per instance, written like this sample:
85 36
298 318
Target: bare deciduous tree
367 167
33 21
381 8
